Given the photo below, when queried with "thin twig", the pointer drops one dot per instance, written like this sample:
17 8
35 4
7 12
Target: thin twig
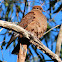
1 29
2 41
51 29
55 15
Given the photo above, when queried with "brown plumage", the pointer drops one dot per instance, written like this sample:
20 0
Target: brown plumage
34 22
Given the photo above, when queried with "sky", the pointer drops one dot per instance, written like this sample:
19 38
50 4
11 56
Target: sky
7 56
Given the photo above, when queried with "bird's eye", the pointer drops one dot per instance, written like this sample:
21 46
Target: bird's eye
37 8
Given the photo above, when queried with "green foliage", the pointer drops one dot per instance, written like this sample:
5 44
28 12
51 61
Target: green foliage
6 4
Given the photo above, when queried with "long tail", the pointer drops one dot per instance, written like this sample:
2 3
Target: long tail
23 43
21 49
14 36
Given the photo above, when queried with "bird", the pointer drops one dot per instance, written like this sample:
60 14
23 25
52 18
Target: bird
34 22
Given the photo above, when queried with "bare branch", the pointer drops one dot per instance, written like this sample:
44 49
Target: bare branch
50 29
34 40
59 41
1 29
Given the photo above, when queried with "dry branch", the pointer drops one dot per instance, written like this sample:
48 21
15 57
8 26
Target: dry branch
34 40
50 30
59 41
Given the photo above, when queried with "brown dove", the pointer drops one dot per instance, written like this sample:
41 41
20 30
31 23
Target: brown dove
34 22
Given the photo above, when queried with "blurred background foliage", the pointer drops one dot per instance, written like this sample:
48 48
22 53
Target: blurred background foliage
14 11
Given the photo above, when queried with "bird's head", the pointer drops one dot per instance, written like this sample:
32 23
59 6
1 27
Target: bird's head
38 7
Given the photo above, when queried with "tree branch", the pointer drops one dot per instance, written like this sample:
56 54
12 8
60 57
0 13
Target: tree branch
34 40
50 30
59 41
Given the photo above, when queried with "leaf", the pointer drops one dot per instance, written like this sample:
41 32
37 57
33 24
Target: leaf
6 4
48 27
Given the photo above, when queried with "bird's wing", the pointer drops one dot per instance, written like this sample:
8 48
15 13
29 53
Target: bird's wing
13 37
28 18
